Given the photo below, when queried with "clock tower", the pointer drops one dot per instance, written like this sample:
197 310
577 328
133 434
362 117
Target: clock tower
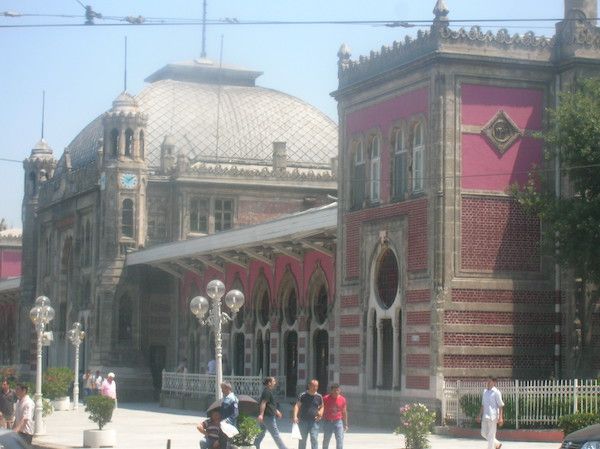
123 178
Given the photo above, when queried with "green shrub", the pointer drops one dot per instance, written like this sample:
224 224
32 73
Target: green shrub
47 408
56 382
249 430
571 423
100 409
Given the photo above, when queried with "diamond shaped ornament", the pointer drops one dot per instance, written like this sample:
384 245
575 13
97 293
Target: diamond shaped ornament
501 132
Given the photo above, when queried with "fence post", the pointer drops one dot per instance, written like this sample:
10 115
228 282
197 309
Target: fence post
574 396
458 421
444 403
517 404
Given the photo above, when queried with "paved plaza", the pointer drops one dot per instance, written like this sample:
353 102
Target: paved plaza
148 426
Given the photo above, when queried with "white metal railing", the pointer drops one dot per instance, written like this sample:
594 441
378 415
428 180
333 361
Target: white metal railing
529 402
195 385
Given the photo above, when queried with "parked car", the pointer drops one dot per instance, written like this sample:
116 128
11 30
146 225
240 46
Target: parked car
586 438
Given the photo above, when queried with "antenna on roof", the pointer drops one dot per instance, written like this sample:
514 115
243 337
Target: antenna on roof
203 54
220 86
43 110
125 70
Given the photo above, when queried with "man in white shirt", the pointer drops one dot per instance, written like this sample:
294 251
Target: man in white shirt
491 414
24 414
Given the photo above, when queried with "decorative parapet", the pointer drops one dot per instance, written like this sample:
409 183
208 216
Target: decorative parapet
226 170
68 183
442 39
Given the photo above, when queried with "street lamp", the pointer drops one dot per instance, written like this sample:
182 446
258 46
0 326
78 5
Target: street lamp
199 305
76 335
41 314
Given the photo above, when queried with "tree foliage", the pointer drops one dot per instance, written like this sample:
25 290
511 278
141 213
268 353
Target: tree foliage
571 222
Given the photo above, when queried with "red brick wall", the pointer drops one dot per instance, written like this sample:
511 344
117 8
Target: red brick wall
417 233
497 235
418 382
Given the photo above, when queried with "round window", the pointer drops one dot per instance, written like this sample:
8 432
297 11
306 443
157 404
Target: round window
291 308
264 311
387 278
320 305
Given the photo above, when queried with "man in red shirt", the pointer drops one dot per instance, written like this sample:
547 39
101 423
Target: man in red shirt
335 417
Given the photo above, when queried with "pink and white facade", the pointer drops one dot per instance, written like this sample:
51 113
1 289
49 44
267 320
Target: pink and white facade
440 274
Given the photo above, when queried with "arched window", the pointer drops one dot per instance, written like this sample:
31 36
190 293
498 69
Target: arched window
399 158
87 244
125 319
264 309
375 169
260 352
32 183
357 180
418 155
128 142
320 305
142 144
127 218
291 307
114 143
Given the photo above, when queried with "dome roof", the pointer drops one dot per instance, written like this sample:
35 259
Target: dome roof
189 101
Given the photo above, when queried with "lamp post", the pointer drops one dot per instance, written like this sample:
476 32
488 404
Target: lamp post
76 335
199 305
41 314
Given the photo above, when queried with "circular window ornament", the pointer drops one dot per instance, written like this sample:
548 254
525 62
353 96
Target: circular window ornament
387 279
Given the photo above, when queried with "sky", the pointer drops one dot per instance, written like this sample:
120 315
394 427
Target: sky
81 68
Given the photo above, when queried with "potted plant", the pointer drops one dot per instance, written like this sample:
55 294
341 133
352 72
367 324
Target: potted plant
249 429
56 387
100 409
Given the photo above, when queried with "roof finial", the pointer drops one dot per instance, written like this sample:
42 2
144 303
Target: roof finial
43 111
203 54
441 11
125 68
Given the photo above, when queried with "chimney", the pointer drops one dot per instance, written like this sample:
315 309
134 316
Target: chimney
279 156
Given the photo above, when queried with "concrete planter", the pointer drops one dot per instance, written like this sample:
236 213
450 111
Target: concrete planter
61 404
99 438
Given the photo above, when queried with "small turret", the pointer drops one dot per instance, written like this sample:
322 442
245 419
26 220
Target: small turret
124 130
587 9
167 154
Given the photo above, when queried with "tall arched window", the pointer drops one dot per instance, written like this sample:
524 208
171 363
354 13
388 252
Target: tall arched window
357 180
399 158
418 155
87 244
125 319
114 143
142 144
127 218
128 142
375 169
33 183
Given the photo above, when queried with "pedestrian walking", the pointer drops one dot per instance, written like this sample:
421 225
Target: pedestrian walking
24 414
268 414
491 414
229 405
7 405
335 417
109 387
88 384
307 413
98 382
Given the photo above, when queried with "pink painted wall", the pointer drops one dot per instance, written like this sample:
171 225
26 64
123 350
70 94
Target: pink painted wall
10 263
483 167
382 117
302 273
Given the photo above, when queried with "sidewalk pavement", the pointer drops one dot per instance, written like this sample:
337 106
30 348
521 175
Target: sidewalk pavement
148 426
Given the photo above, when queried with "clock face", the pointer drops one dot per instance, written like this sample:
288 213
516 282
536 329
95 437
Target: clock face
128 180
